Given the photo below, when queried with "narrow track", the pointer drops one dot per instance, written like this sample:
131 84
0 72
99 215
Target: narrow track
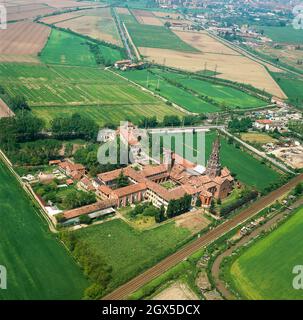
125 290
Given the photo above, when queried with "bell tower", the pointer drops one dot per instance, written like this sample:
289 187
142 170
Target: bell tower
213 168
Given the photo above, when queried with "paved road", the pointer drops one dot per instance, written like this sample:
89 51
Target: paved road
258 152
125 290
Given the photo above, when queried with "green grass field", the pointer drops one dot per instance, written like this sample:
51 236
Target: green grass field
99 94
110 113
170 92
292 87
225 96
264 271
228 96
283 34
65 48
248 170
130 251
38 266
154 36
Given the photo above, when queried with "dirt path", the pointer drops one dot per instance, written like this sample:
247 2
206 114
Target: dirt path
125 290
220 285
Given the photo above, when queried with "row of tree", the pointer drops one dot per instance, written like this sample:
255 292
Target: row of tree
171 121
178 206
94 266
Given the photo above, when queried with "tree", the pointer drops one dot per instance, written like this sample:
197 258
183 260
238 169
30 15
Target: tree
122 180
199 202
85 219
212 206
171 121
18 103
161 215
298 189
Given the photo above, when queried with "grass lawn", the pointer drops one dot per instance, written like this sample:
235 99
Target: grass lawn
283 34
130 251
38 266
264 271
154 36
292 87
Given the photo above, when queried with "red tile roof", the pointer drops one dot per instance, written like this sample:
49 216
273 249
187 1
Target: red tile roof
134 188
74 213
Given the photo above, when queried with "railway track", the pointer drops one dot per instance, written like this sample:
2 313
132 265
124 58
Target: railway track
125 290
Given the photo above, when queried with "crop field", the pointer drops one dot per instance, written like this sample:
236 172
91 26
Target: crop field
147 17
292 86
130 251
154 36
67 49
283 34
28 11
214 56
248 170
222 95
99 94
260 138
171 92
22 41
97 24
109 113
38 266
264 271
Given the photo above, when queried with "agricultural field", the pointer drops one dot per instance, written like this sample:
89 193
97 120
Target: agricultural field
16 12
154 36
130 251
38 266
222 95
147 17
248 170
57 51
67 49
291 55
99 94
22 42
283 34
292 86
259 138
109 113
259 273
214 56
96 23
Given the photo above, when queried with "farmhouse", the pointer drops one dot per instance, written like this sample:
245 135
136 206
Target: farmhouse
73 170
